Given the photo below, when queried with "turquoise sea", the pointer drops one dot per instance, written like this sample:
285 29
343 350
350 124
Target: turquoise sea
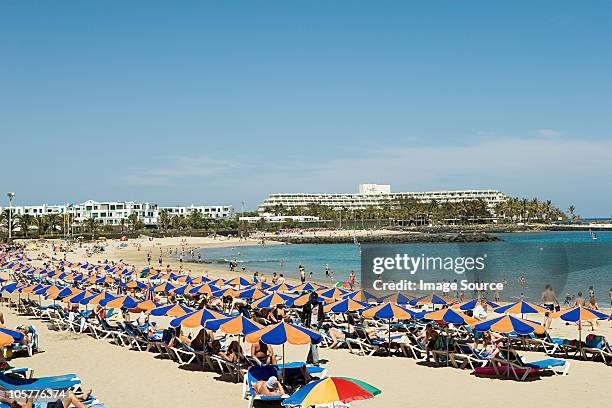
571 261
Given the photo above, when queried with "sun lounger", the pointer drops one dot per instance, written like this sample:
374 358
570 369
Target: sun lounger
465 355
30 347
521 370
255 374
596 347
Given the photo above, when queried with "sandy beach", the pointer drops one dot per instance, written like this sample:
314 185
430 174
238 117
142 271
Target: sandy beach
124 378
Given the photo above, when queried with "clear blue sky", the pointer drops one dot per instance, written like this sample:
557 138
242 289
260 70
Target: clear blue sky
218 102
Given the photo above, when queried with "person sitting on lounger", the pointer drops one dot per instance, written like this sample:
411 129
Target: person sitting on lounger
27 336
491 344
268 388
202 340
71 400
234 353
263 352
278 314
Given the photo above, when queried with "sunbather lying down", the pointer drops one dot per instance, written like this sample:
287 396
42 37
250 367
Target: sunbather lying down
71 400
270 387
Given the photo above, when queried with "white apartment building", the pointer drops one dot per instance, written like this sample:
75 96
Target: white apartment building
114 212
208 211
376 195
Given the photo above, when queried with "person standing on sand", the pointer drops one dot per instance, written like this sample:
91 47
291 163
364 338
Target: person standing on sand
352 279
579 301
302 274
549 299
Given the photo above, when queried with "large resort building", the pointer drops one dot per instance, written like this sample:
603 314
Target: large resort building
116 213
375 195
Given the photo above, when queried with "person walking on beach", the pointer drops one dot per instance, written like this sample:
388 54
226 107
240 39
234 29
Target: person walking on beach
579 301
312 317
302 274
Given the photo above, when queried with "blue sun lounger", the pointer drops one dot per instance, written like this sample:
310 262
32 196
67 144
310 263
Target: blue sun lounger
259 373
58 382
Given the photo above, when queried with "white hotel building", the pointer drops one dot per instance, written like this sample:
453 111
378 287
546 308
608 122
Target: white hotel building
375 195
116 212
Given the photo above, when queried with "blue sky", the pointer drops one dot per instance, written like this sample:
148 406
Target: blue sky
218 102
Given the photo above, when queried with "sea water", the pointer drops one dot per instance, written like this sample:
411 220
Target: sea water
570 261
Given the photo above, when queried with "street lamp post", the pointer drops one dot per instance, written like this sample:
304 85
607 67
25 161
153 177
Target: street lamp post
10 196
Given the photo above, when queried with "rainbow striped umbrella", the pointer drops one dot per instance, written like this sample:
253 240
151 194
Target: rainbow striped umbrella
331 390
196 319
345 305
272 300
521 308
173 310
283 332
234 325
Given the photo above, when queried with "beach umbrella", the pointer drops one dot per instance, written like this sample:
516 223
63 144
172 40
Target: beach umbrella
397 298
281 333
521 308
6 340
198 280
281 287
362 296
217 282
173 310
181 290
106 280
331 390
67 291
333 293
471 304
263 285
272 300
204 288
509 324
432 299
15 335
253 293
196 319
234 325
120 302
450 316
11 287
239 281
345 305
164 287
302 300
147 305
225 292
388 311
134 285
96 298
578 314
308 287
77 297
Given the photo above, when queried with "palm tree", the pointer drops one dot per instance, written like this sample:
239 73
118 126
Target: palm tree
164 220
132 220
571 210
92 225
195 220
25 222
52 221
